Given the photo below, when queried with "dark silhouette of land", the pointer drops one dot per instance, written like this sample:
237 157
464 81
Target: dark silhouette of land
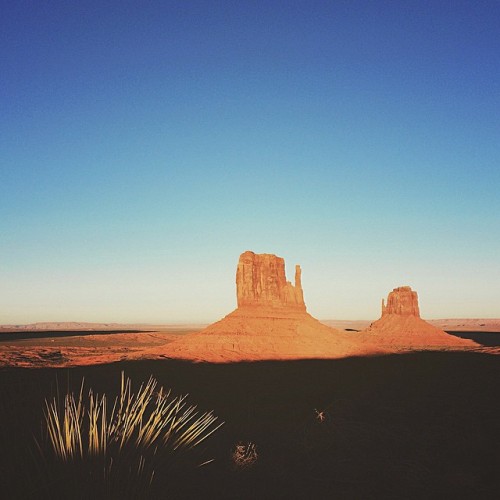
486 339
418 425
55 334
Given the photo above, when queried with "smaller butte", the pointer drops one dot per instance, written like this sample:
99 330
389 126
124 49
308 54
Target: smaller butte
401 327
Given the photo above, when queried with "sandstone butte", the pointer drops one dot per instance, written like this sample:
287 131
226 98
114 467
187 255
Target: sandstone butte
270 322
401 328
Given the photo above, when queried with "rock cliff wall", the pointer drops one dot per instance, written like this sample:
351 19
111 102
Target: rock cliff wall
402 301
261 281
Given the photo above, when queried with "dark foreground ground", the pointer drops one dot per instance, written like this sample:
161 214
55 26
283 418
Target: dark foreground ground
422 425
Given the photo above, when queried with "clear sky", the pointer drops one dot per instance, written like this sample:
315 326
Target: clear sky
145 145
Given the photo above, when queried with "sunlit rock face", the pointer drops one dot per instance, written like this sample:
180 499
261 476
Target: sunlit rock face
261 281
270 322
402 301
401 327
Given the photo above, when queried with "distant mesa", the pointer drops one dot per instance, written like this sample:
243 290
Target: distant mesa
401 326
270 322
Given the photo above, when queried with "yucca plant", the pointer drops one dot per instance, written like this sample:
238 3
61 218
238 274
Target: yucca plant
123 443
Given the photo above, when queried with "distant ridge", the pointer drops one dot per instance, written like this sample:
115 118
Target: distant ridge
447 324
87 326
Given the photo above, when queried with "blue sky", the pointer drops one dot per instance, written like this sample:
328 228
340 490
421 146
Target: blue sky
145 145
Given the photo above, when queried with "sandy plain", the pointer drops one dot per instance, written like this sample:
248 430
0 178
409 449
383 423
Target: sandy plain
71 344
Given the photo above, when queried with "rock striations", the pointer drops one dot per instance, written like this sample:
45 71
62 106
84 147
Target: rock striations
402 301
261 282
401 328
270 322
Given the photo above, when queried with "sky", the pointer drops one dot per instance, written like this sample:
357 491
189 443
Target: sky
145 145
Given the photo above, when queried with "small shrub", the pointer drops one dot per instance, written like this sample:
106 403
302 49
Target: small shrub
244 455
321 416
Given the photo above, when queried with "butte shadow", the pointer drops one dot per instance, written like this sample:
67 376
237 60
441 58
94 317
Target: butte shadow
270 322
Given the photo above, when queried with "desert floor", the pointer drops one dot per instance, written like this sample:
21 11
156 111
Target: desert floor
44 346
38 348
420 425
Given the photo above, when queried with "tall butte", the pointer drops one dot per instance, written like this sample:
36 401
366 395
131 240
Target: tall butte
270 322
261 284
400 327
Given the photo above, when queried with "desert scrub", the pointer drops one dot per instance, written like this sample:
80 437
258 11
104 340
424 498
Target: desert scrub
118 449
244 455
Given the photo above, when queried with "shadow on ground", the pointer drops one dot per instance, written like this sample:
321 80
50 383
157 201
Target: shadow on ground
56 334
421 425
486 339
